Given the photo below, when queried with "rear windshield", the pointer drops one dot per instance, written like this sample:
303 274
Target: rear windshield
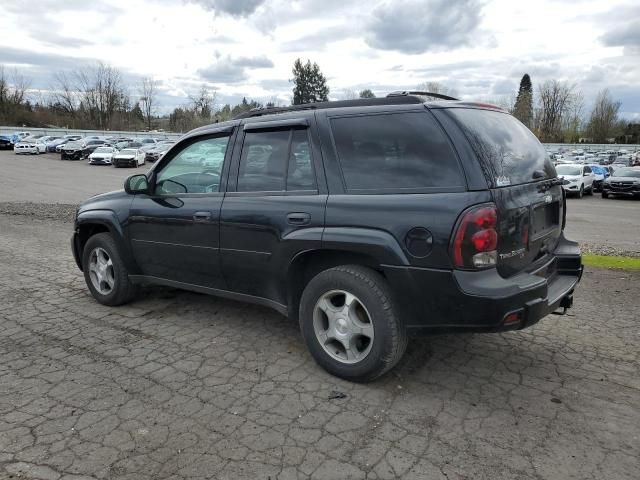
509 153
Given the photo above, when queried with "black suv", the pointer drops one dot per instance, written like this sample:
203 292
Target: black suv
366 221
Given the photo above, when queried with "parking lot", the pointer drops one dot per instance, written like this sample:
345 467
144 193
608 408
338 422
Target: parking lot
185 386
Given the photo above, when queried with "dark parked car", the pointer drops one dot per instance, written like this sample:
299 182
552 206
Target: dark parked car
8 141
366 221
624 181
77 150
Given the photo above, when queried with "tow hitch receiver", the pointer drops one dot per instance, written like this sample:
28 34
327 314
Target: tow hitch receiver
565 303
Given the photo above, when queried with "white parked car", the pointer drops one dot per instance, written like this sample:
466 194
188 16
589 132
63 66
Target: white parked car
129 157
580 178
31 146
102 156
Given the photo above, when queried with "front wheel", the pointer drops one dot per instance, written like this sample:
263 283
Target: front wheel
351 324
581 191
104 271
605 195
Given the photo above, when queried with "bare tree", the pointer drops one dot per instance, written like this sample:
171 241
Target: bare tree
554 98
65 92
348 94
573 121
603 122
203 102
13 92
437 87
101 91
148 98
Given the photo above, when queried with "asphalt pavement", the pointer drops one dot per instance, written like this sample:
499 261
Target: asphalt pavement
179 386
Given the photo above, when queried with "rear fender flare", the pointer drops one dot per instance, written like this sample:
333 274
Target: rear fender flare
377 244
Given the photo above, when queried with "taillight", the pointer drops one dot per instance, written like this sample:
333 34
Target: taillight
475 242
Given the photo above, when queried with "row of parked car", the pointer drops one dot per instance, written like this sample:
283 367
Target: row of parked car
622 157
99 150
610 180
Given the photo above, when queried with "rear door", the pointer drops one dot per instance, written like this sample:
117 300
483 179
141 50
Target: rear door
521 177
274 206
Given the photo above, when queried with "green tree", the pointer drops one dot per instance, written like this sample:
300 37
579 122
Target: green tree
309 84
367 93
523 108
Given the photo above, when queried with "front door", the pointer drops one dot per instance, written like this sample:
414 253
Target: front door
275 212
175 231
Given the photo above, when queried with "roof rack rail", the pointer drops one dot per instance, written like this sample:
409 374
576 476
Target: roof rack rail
361 102
405 93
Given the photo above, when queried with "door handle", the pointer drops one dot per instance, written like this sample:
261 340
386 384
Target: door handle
202 216
298 219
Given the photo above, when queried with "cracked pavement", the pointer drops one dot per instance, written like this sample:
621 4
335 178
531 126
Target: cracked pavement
185 386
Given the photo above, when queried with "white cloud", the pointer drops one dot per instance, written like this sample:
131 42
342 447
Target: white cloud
479 47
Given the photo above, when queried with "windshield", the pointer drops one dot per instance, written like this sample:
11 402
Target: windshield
128 151
509 153
628 172
104 150
597 169
568 170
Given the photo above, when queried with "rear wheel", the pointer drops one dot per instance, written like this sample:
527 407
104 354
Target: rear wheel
104 271
605 195
350 323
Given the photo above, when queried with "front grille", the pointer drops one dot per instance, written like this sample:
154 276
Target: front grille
621 186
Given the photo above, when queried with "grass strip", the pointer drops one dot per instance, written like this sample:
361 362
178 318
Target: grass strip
609 261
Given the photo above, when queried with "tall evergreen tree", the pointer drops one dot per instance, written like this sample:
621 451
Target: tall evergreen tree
523 108
309 84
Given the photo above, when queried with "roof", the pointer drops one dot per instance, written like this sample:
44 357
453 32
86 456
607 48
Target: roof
394 98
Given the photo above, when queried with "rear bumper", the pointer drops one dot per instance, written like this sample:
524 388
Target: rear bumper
481 301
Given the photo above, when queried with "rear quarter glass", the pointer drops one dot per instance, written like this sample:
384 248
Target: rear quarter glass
395 152
508 152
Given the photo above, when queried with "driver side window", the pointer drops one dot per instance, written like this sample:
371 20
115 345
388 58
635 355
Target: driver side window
195 169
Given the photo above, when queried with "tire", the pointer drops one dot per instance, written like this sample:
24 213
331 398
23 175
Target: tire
590 191
122 290
371 299
605 195
581 191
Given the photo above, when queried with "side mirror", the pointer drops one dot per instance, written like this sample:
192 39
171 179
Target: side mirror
586 174
136 184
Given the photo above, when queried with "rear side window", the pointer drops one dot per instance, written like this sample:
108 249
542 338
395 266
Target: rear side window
509 153
395 152
274 161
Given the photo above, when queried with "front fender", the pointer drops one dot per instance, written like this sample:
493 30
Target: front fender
109 220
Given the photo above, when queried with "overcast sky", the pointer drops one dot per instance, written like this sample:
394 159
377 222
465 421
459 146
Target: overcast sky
247 47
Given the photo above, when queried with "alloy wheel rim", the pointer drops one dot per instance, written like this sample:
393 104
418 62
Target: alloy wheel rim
343 326
101 271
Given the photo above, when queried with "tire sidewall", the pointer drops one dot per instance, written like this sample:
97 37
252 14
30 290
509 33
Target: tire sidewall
104 241
382 319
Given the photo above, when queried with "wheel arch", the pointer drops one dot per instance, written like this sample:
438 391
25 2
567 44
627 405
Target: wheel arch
309 263
93 222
